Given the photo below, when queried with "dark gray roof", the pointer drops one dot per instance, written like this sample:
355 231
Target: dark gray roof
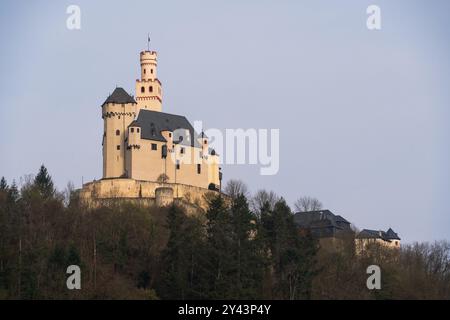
119 95
322 218
153 122
378 234
392 235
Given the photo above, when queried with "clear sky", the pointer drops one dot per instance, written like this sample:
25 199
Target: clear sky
363 115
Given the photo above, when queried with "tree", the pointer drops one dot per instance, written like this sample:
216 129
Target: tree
162 178
291 256
246 253
261 198
305 204
181 255
236 187
44 184
3 184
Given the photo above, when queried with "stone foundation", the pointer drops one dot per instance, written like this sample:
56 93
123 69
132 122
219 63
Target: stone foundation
145 193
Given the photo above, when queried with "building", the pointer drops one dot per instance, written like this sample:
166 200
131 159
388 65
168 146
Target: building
386 239
145 149
331 230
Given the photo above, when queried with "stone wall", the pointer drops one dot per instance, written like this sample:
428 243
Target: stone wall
143 192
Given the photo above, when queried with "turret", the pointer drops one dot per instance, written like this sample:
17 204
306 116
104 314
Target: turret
148 88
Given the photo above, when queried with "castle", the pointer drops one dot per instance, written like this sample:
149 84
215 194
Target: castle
149 155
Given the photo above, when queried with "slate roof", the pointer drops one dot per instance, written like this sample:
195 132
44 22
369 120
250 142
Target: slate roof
378 234
309 218
153 122
119 95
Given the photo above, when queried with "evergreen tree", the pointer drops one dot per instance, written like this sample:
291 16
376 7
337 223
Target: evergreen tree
220 278
180 257
247 255
13 193
3 184
44 183
292 256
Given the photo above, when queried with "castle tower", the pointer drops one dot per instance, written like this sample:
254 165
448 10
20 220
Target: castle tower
148 88
118 111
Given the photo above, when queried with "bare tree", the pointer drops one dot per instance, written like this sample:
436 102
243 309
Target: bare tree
261 198
236 187
68 193
306 203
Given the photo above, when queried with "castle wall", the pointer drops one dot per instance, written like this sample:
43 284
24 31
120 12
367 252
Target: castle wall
121 189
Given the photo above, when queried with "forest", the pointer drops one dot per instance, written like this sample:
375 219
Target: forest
244 248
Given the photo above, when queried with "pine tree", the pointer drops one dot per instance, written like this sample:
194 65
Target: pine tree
44 183
219 250
13 193
247 255
3 184
174 277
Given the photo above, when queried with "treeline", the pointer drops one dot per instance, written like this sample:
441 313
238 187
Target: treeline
242 248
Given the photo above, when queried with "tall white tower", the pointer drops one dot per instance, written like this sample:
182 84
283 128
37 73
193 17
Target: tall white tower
148 88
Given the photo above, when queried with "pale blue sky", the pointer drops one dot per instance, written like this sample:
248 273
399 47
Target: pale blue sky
362 114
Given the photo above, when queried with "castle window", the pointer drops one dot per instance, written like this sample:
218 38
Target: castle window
137 129
145 71
170 135
142 89
118 147
154 146
199 168
205 142
182 150
178 165
117 132
119 117
151 71
132 129
150 89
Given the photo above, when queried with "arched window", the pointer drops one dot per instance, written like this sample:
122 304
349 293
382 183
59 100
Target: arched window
117 132
150 89
142 89
151 71
145 71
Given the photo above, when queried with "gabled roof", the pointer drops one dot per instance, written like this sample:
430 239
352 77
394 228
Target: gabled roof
119 95
320 219
153 122
392 235
378 234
